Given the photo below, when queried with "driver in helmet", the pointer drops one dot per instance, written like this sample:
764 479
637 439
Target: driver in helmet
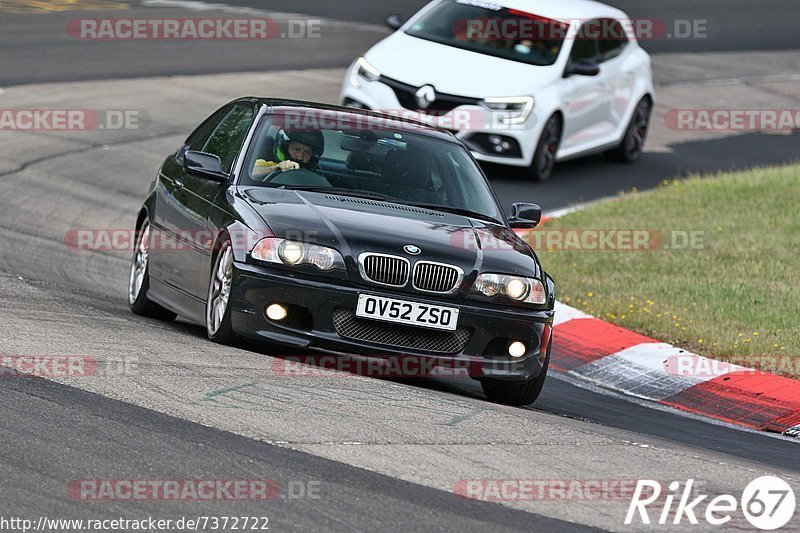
293 150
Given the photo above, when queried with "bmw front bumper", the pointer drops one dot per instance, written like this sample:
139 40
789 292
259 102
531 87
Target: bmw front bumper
321 317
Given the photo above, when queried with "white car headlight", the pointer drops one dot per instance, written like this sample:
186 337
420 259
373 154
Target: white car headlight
363 71
517 288
511 109
284 252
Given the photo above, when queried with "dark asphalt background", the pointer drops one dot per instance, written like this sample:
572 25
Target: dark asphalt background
49 431
53 434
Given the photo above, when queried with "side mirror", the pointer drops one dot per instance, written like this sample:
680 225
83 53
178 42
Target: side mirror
525 216
204 165
395 21
582 67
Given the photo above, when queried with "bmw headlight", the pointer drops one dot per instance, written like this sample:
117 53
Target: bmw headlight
517 288
285 252
363 71
512 109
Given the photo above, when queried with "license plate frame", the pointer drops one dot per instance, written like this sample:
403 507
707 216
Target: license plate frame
407 312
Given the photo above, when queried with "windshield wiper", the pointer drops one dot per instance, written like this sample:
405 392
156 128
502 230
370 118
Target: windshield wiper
456 211
341 191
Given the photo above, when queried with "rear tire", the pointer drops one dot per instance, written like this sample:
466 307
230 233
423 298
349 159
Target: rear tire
632 145
544 159
139 283
520 392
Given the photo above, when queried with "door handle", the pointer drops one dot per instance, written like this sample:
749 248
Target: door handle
178 183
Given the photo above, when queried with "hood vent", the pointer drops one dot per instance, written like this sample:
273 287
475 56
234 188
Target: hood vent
385 205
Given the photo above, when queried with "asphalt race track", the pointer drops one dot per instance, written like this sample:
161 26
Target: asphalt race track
378 454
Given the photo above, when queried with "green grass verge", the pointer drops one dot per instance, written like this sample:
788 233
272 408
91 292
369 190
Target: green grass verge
735 297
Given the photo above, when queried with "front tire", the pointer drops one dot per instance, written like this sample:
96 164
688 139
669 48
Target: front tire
632 145
139 283
544 159
218 312
520 392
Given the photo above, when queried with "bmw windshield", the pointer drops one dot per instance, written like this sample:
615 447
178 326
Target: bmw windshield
493 30
387 161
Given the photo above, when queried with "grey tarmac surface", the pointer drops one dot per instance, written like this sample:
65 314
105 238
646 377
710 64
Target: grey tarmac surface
128 442
37 47
386 454
433 434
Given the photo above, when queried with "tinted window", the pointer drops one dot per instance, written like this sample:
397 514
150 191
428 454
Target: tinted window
613 39
197 140
586 42
493 30
227 139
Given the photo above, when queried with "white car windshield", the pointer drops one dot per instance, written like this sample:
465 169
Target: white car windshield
387 162
492 30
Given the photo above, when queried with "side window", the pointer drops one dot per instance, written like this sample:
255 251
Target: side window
227 139
613 39
586 42
197 140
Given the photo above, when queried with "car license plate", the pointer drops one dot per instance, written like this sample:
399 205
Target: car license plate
404 312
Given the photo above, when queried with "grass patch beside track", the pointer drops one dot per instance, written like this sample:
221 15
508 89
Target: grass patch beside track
734 295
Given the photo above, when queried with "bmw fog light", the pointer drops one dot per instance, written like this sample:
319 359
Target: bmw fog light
517 349
276 312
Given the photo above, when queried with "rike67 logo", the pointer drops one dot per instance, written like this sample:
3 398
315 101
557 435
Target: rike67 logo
767 503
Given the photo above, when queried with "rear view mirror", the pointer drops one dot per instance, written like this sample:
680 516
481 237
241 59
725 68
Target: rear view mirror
362 143
525 216
395 21
205 165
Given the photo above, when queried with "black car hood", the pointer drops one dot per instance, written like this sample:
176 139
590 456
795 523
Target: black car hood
356 225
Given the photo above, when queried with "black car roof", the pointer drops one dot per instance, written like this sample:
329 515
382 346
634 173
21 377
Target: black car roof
408 124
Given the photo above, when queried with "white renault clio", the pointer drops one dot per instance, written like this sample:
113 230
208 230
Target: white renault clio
521 83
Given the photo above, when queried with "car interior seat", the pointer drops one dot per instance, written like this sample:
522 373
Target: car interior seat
406 175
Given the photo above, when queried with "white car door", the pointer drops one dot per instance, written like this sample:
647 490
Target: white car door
587 100
618 72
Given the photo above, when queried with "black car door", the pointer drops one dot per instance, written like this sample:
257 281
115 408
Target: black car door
184 207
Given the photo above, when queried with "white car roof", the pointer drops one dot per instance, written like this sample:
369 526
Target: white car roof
564 10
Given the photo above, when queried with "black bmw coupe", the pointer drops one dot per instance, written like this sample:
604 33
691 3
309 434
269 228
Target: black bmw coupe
331 229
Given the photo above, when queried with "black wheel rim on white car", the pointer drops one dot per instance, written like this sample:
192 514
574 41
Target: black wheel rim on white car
550 138
141 256
219 290
639 125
